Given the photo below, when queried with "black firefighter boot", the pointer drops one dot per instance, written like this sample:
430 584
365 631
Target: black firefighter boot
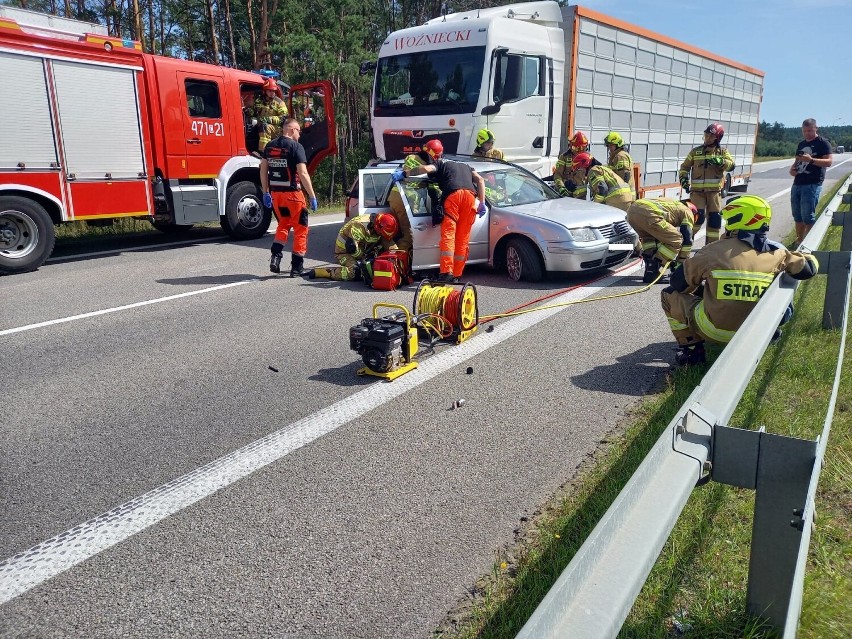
275 262
652 271
297 262
691 355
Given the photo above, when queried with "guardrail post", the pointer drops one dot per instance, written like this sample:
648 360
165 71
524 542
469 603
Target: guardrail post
838 266
779 468
844 218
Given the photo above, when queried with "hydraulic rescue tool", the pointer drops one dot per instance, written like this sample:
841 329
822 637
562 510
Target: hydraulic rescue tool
388 344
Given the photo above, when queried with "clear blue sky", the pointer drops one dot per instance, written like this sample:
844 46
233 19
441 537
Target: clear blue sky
803 46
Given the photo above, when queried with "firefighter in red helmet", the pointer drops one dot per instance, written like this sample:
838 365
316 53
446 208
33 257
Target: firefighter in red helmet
570 182
270 111
358 241
702 175
431 151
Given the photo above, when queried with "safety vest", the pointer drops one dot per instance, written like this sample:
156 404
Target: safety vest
706 177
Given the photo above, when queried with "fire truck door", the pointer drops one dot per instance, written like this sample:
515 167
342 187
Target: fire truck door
313 106
208 140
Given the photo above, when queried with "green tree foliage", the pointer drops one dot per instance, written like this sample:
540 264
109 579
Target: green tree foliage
777 140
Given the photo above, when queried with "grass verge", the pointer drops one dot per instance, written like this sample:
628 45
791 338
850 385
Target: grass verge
697 586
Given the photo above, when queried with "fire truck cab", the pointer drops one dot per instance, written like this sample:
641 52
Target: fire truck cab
95 129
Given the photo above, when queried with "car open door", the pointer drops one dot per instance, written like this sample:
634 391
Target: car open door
313 106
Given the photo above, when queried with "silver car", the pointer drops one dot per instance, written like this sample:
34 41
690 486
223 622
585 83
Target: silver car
528 230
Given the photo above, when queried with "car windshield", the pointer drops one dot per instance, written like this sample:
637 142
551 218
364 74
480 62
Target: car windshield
429 82
510 186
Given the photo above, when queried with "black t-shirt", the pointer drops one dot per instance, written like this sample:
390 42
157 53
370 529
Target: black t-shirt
808 173
283 154
453 176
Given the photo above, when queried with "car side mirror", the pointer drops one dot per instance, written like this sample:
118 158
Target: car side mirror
367 67
491 109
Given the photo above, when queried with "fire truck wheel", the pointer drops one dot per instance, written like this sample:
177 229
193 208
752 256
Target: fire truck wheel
26 235
523 261
245 216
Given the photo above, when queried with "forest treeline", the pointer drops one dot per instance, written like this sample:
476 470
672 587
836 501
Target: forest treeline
778 141
305 42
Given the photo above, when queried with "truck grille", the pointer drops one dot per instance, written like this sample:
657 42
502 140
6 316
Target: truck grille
614 230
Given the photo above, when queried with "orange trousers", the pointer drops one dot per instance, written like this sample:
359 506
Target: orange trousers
290 210
459 215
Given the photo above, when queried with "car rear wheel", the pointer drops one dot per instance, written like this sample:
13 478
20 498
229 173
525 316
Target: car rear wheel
523 261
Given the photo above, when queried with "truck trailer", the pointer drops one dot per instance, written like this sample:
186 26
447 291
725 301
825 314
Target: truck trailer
535 72
94 129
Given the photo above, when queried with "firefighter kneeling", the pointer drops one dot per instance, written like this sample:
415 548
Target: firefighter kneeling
356 242
665 232
733 274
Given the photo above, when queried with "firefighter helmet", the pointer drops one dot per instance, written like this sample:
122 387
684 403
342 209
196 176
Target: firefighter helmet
269 84
579 142
614 138
434 149
581 161
716 130
747 213
384 224
484 136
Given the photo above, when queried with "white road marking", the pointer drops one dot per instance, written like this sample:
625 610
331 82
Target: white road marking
115 309
28 569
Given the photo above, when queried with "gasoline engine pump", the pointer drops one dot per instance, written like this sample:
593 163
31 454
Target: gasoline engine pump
388 344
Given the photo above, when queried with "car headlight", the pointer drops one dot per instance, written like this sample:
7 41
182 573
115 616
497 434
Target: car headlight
584 234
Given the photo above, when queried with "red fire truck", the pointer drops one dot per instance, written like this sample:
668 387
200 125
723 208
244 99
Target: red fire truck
94 129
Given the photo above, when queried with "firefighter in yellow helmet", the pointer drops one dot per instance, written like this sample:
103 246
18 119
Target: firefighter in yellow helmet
357 241
570 182
702 175
485 146
665 232
732 274
619 159
270 111
605 186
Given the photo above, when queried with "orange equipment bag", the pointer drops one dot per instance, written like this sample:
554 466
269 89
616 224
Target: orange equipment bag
390 270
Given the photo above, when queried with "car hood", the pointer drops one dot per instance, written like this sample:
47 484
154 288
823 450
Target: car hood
568 212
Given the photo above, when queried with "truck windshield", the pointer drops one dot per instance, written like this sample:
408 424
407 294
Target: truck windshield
429 82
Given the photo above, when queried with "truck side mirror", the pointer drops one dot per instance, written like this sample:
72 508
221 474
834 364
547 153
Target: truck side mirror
491 109
367 67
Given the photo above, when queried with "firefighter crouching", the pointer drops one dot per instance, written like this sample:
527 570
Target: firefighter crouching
734 273
432 150
665 232
707 164
605 186
568 182
357 242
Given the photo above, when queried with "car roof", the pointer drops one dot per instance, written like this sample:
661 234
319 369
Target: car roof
478 164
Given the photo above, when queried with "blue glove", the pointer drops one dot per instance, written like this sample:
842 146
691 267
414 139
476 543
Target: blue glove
398 175
482 210
313 204
267 200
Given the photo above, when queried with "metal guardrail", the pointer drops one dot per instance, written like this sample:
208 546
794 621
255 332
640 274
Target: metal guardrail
595 592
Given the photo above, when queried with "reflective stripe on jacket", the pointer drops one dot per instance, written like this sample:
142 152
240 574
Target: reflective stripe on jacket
704 176
622 164
605 184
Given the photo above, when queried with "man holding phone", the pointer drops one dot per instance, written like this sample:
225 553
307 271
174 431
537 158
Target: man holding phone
813 157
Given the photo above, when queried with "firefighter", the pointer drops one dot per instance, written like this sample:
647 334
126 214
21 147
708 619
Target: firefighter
734 273
356 243
463 197
569 183
619 159
432 150
283 175
485 146
605 186
270 111
707 165
665 232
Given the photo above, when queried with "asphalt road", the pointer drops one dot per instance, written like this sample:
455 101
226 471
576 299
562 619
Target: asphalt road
187 451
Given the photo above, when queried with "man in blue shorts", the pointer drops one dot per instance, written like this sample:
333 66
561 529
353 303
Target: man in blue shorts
813 157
